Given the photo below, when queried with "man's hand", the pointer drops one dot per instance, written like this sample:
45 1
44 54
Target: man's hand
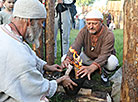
87 70
65 63
66 82
53 68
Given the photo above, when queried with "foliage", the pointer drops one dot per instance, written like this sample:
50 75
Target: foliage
84 2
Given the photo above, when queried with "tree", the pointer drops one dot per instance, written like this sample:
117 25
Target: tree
84 2
129 92
49 36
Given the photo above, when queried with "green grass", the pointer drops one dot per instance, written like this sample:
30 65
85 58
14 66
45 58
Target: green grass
119 45
73 35
118 33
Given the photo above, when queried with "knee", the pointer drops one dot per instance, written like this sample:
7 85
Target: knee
112 63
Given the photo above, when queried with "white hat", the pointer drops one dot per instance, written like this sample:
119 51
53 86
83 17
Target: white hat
29 9
94 14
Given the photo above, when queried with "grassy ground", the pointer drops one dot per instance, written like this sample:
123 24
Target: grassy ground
119 45
73 35
60 97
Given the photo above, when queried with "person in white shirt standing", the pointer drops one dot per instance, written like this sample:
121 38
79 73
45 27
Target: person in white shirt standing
65 26
112 25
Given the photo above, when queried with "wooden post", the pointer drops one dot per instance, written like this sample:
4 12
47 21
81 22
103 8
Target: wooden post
129 92
49 42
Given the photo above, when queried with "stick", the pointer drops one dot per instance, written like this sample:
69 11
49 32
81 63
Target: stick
68 70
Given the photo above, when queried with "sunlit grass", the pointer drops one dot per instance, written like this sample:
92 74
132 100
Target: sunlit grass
119 45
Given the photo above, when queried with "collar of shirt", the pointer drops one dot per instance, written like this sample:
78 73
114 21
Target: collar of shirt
94 38
7 29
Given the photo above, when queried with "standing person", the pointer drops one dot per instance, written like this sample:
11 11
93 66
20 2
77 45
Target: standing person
66 25
112 25
5 14
73 12
98 52
81 21
1 4
108 19
21 71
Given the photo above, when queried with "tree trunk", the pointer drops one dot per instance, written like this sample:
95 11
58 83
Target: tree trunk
129 92
49 42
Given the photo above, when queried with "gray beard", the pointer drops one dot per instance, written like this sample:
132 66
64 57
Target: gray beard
31 39
32 35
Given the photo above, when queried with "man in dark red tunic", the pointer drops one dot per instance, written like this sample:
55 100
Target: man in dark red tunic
98 51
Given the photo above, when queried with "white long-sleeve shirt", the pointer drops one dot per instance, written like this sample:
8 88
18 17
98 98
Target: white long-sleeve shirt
21 78
68 1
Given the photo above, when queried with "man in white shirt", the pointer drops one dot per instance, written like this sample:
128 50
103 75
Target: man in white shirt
21 71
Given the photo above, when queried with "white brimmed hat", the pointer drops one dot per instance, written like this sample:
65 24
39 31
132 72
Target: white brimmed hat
94 14
32 9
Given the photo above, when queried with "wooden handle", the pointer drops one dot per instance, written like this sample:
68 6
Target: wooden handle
68 70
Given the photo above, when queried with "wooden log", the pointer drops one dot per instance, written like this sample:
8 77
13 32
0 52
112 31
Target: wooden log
68 70
49 32
85 92
129 92
89 99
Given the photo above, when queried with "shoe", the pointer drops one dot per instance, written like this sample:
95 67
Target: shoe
105 80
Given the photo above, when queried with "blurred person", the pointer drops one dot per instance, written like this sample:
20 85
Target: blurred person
6 13
98 51
1 4
112 25
108 19
81 21
21 72
66 23
77 22
73 13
